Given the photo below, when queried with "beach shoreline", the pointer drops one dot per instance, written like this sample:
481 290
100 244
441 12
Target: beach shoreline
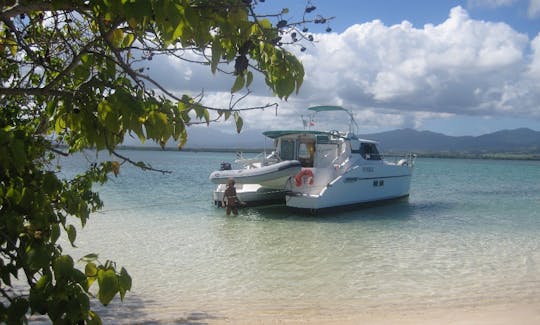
499 314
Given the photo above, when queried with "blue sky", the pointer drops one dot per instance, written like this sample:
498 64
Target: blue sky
454 67
421 12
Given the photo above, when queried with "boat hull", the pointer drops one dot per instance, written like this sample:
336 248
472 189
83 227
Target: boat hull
353 188
273 176
251 195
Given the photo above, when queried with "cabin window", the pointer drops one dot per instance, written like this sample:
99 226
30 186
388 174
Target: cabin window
303 151
323 139
378 183
369 151
286 151
306 152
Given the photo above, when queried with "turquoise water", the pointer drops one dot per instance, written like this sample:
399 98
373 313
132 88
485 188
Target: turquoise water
467 235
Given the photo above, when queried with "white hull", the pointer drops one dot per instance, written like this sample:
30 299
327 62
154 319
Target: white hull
274 176
351 189
251 194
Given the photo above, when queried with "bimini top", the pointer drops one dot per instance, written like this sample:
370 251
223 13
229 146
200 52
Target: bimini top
279 133
326 108
353 126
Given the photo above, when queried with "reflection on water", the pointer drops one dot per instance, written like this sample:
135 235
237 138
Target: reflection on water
453 242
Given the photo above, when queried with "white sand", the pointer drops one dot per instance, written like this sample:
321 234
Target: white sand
522 314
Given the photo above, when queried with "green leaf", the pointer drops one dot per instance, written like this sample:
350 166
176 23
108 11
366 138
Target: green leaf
51 184
90 270
249 78
42 282
216 54
227 114
59 125
72 234
238 121
178 31
18 152
55 232
238 83
13 49
124 283
183 139
157 126
16 310
108 112
38 257
94 319
79 278
63 267
81 73
265 23
116 37
14 195
108 286
128 40
89 258
284 87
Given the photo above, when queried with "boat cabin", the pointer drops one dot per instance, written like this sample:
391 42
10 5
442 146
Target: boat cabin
321 149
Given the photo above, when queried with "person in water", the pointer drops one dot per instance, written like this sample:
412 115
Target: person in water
230 200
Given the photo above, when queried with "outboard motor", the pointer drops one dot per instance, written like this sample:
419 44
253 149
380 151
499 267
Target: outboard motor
225 166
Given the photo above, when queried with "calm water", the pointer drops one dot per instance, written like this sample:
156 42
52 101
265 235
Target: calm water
468 235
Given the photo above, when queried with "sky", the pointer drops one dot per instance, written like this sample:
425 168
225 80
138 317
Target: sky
453 67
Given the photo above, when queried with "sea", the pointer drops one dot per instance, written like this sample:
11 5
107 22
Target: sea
468 235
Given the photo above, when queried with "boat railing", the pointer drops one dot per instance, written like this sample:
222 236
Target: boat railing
411 157
406 160
261 159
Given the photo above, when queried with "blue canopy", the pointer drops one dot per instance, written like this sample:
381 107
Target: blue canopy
280 133
326 108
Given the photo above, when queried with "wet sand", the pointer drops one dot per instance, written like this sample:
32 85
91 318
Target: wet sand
522 314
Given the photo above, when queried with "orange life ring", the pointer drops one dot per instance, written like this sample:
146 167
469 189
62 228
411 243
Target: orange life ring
299 178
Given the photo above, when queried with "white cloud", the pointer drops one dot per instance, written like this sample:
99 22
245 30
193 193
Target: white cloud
461 66
396 76
534 67
534 9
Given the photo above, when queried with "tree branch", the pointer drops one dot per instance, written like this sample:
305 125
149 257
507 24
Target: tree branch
33 92
33 6
65 154
138 164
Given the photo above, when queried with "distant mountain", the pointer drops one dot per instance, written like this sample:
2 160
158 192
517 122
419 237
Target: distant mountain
404 140
507 141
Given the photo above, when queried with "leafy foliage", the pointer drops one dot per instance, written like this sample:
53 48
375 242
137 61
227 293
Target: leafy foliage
73 73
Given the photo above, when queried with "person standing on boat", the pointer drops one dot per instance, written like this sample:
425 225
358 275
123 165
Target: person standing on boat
230 200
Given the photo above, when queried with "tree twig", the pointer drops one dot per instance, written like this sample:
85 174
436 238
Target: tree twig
138 164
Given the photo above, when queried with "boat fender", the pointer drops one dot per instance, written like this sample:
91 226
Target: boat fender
299 178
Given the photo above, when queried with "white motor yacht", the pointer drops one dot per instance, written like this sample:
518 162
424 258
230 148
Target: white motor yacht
313 170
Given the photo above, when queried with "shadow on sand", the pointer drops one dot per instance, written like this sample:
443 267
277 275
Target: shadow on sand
132 311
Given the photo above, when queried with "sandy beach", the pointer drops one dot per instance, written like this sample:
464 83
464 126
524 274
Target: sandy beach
517 314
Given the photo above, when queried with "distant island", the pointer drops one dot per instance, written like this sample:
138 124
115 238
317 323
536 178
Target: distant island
520 143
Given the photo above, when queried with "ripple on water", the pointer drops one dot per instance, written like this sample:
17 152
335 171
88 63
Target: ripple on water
462 237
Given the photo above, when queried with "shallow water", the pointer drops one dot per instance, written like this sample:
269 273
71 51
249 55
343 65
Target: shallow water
467 235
